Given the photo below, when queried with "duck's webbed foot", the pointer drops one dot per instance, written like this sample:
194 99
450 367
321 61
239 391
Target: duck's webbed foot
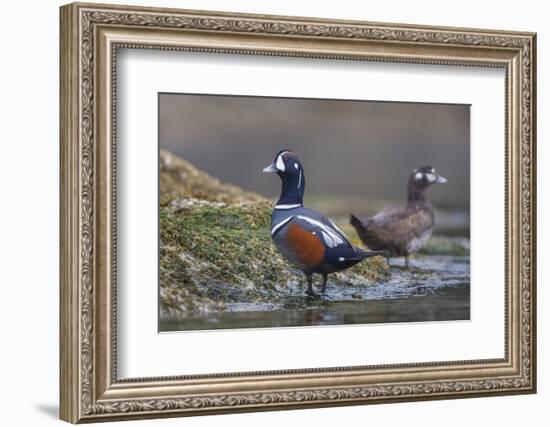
310 292
324 284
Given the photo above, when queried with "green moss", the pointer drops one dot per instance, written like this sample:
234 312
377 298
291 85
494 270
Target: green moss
232 239
374 269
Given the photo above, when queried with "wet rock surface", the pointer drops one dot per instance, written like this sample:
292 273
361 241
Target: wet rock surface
434 288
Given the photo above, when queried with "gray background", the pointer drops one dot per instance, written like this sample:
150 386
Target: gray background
356 149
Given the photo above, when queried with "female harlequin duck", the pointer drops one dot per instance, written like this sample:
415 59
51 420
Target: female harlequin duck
402 231
307 239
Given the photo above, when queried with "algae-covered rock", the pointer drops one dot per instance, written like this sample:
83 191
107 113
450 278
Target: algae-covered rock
179 178
214 253
445 245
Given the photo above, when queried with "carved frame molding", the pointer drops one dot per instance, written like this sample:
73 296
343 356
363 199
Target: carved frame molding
90 37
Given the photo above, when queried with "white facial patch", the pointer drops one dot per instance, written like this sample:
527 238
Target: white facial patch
341 259
431 177
280 164
418 175
295 165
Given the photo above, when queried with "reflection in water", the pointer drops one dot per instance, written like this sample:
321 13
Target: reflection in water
436 288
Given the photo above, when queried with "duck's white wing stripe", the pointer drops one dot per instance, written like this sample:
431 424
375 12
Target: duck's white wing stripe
336 238
280 224
341 233
328 240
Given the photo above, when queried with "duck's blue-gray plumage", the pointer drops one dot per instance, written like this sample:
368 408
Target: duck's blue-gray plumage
306 238
338 252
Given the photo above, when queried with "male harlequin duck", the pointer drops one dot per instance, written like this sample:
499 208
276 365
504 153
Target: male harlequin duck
307 239
405 230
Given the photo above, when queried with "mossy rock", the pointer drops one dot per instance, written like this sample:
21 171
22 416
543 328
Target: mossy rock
444 245
179 178
213 253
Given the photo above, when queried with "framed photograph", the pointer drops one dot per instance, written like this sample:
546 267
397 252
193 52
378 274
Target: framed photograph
266 212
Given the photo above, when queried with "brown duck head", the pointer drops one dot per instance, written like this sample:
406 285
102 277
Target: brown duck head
420 180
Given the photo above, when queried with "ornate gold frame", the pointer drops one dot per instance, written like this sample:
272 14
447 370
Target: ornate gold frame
90 36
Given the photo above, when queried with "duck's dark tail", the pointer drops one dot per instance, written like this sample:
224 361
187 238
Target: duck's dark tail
362 254
355 256
361 228
356 222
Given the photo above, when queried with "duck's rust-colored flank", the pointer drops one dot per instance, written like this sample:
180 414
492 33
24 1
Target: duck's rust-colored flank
308 247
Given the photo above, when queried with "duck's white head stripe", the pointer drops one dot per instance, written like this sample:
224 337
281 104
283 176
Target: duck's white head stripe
280 163
332 234
299 179
277 226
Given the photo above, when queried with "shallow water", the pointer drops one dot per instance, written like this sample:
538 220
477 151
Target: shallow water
434 288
